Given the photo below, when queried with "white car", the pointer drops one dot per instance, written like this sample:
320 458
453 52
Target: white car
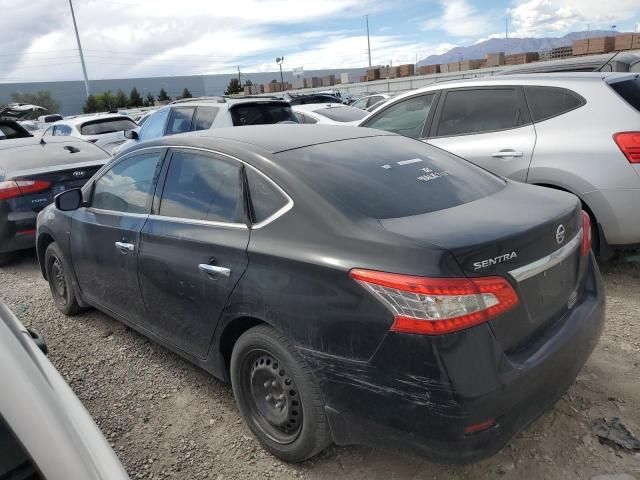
328 114
105 130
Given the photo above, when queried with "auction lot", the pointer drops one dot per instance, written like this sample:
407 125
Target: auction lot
166 418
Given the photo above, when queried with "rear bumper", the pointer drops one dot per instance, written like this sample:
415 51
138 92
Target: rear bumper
419 393
618 213
17 231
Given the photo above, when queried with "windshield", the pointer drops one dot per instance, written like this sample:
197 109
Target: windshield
390 176
261 114
342 114
107 125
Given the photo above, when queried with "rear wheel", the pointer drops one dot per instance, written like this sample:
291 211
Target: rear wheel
60 281
278 396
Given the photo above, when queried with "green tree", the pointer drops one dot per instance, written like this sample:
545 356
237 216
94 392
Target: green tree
106 101
233 87
150 99
121 99
135 99
163 97
186 93
91 105
43 99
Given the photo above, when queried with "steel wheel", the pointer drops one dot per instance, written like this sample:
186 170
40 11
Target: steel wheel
274 399
58 282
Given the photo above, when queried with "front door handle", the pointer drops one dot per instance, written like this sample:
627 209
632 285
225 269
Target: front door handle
125 247
506 154
215 270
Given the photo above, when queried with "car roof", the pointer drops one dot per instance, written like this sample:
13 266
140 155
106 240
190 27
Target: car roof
268 138
312 107
89 118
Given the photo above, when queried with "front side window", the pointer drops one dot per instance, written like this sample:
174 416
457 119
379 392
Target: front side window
204 118
266 199
547 102
202 187
107 125
127 186
373 100
61 130
180 120
154 126
406 117
479 111
362 103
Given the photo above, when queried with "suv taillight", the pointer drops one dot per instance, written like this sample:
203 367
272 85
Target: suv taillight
434 306
629 143
586 233
13 189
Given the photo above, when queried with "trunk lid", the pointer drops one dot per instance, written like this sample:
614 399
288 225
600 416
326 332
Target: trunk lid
505 234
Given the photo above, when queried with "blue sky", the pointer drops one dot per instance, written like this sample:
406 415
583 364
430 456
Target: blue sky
131 38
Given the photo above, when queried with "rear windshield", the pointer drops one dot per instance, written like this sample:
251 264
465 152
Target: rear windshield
107 125
52 118
390 176
342 114
261 114
630 91
315 99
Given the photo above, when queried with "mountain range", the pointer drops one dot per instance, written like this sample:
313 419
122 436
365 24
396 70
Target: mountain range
514 45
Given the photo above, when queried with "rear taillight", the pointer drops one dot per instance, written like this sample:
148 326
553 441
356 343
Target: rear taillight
13 189
586 233
629 143
435 306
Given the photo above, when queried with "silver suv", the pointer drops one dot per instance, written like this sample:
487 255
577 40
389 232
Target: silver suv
194 114
578 132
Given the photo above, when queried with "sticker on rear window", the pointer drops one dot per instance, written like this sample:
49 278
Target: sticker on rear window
409 162
431 175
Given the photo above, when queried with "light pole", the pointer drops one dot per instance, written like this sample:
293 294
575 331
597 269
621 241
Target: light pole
279 61
368 41
84 68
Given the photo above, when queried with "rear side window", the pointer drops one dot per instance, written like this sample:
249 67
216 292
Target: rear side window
180 120
261 114
547 102
389 176
342 113
201 187
62 130
107 125
126 187
9 131
479 111
629 90
204 118
266 199
154 126
406 117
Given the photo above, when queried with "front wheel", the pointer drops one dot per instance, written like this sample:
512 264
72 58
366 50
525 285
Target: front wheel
60 281
278 396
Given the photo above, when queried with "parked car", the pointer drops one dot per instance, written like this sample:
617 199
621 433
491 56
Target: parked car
54 117
313 98
328 113
45 432
105 130
10 129
21 111
32 172
354 285
371 101
578 132
192 114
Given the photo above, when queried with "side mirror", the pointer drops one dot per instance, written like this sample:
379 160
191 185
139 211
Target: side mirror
69 200
131 135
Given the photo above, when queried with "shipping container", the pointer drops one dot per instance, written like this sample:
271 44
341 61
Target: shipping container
580 47
495 59
624 41
602 44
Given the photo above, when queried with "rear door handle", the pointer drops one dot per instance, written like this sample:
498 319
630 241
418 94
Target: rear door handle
215 270
506 154
125 247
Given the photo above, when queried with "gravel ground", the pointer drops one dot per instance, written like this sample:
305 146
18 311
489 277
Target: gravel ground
166 418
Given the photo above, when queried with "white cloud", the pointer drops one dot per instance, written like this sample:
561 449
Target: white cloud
459 19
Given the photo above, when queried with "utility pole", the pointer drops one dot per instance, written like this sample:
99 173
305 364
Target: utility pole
279 61
239 81
84 68
368 41
506 33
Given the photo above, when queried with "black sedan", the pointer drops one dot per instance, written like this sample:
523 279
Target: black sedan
354 286
32 172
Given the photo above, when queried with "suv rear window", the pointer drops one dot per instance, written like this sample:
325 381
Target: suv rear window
261 114
343 113
390 176
547 102
630 91
107 125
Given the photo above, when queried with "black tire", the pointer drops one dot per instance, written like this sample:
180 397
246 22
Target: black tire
278 396
6 258
60 281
